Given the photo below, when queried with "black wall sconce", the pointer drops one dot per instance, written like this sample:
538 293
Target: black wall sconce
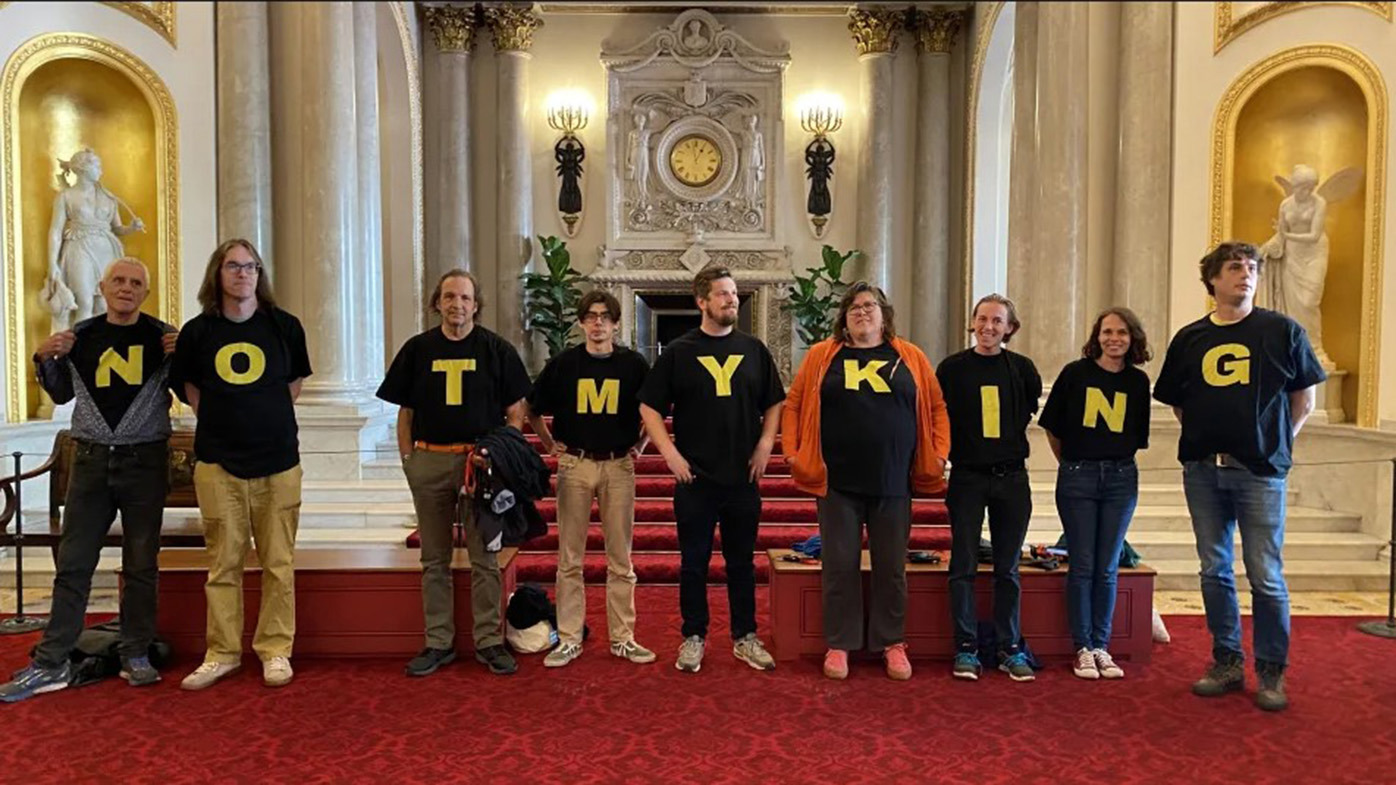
568 114
821 114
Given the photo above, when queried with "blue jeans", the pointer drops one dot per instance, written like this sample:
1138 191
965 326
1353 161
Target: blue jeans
1095 500
1220 499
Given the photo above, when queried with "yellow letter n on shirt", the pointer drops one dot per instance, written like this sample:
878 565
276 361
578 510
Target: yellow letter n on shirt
128 368
1097 406
591 400
454 370
722 374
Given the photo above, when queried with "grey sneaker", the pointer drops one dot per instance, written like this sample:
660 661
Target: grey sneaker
750 650
562 654
1221 678
630 650
138 672
691 654
1271 695
967 666
34 680
1017 667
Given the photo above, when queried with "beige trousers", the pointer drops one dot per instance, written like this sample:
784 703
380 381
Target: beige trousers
612 484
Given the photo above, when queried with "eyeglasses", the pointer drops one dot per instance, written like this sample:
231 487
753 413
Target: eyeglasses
251 268
864 308
594 317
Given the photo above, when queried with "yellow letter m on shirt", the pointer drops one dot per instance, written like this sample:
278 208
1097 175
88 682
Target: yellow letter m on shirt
594 400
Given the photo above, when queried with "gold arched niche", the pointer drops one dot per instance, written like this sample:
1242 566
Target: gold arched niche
1325 106
60 93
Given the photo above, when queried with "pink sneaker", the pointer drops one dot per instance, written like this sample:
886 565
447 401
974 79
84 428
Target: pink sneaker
836 664
898 666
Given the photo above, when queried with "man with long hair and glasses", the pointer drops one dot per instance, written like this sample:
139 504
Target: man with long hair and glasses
1241 382
240 364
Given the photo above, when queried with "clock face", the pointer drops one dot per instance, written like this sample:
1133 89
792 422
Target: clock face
695 160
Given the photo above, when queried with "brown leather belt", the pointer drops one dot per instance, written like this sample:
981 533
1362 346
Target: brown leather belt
458 449
594 455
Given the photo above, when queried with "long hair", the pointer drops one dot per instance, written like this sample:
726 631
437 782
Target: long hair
1006 303
434 301
1139 352
889 327
211 290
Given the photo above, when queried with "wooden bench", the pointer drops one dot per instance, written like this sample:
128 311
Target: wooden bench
59 468
349 602
797 626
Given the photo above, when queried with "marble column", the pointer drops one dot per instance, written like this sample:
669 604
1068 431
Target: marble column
1144 180
875 34
930 272
512 29
446 99
368 330
314 151
1022 182
244 126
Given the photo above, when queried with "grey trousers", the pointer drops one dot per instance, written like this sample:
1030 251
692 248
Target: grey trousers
841 520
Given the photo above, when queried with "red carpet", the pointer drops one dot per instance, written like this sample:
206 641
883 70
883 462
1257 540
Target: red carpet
604 720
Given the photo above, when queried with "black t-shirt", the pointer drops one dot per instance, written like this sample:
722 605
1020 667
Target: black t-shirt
594 401
1233 383
1098 415
247 420
867 421
114 361
457 390
719 388
990 400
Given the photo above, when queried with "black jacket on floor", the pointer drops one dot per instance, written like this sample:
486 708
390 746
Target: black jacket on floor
515 469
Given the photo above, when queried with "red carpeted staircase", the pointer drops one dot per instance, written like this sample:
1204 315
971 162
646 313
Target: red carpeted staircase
787 517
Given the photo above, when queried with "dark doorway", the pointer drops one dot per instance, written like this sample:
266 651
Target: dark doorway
661 317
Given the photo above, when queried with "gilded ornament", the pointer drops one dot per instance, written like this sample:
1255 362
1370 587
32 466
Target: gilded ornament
936 31
159 17
452 27
875 30
1227 26
512 27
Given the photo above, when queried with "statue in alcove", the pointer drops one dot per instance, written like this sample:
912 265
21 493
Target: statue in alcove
754 153
637 161
82 240
1297 254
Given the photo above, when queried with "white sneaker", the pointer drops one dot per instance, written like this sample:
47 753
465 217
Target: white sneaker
276 672
208 674
1106 664
1084 667
563 654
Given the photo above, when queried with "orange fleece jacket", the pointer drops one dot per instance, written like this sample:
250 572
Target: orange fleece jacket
799 421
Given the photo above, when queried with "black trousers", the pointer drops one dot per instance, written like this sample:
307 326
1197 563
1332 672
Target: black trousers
735 510
132 480
841 520
1008 499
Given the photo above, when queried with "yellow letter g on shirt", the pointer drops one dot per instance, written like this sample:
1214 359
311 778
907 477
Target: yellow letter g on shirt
1227 364
256 363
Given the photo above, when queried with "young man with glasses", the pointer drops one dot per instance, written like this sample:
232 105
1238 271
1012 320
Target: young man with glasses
240 364
593 393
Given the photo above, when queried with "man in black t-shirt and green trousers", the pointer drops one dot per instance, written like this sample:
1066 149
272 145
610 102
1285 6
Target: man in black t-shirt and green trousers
593 393
1241 382
726 396
453 385
991 395
115 367
240 365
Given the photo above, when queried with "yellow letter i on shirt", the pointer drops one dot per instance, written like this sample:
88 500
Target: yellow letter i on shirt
989 408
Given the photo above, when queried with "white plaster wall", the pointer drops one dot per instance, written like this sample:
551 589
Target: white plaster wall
993 154
188 73
1201 80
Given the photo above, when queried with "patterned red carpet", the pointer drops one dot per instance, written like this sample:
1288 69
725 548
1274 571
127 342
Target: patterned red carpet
604 720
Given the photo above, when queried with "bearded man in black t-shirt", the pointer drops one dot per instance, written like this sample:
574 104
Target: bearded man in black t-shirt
726 396
240 364
453 385
115 367
1241 382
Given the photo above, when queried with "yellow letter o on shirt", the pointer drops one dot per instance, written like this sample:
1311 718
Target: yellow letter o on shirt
256 363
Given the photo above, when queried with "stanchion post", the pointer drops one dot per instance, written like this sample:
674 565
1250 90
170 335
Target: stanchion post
19 623
1387 628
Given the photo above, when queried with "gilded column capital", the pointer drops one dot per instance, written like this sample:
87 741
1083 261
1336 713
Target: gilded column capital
452 27
512 27
875 29
936 30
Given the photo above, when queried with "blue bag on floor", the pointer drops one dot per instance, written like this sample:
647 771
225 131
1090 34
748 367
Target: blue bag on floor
810 548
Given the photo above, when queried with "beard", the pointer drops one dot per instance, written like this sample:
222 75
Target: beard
723 318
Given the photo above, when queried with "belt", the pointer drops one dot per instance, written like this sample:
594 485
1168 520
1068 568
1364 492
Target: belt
596 455
1224 461
996 469
458 449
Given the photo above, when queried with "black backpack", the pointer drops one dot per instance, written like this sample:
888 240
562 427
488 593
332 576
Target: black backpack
96 655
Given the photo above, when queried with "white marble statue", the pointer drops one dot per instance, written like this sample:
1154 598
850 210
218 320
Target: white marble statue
637 157
82 240
1297 254
754 153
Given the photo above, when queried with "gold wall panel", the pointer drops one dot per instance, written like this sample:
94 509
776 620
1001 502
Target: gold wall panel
62 93
1230 22
1324 106
158 16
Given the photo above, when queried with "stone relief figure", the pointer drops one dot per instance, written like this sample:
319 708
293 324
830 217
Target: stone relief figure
637 160
1297 254
569 154
754 158
82 240
694 38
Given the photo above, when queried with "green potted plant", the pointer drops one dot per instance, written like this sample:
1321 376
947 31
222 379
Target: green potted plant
550 299
814 298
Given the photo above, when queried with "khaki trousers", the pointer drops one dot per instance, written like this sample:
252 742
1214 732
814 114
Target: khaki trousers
267 510
436 479
612 484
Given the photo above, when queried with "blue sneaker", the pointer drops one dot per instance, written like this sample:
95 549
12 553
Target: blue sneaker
34 680
1017 667
967 666
138 672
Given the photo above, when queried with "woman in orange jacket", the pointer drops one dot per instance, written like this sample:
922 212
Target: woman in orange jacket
864 427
